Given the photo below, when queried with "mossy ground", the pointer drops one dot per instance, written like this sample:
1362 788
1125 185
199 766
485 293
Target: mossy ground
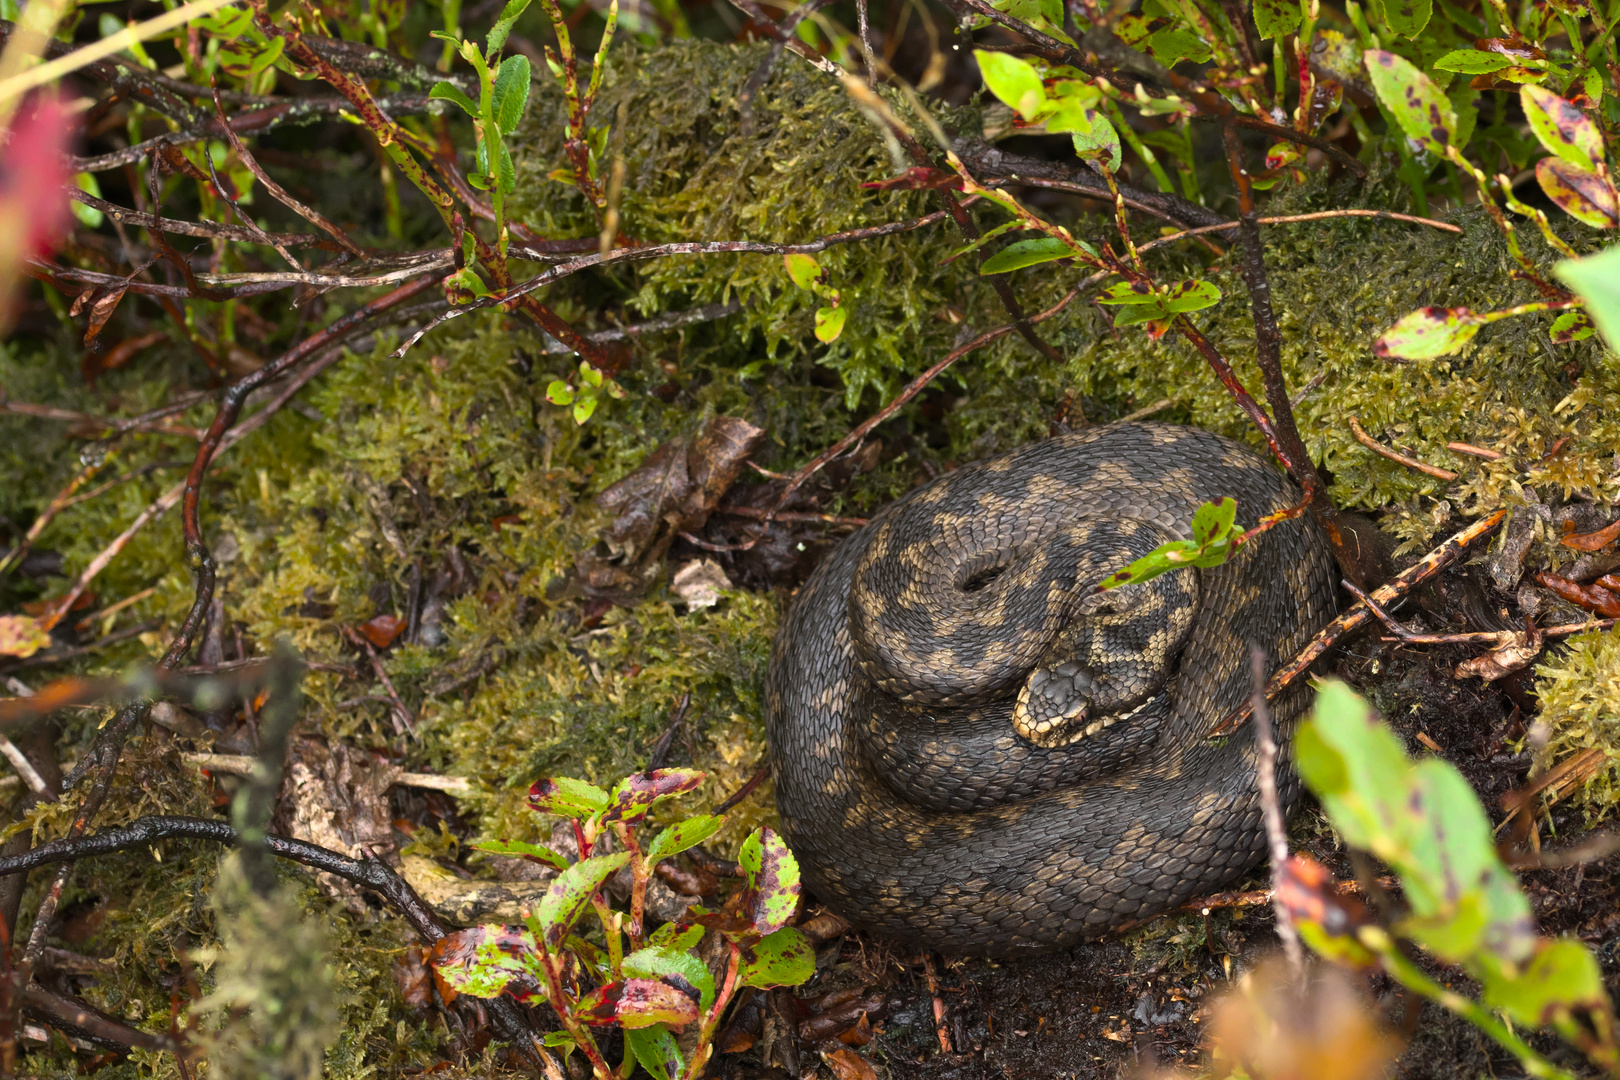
470 456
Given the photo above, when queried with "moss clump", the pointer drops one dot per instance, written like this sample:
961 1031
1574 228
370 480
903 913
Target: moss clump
1579 690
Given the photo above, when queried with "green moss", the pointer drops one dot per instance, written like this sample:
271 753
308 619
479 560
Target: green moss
1579 690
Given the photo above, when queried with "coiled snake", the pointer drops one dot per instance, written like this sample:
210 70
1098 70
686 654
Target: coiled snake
974 752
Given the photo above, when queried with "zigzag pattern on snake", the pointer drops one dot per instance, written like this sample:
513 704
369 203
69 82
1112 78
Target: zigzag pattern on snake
974 752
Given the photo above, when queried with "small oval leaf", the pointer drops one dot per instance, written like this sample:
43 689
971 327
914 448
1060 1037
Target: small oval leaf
563 796
1419 106
1022 253
1427 333
1014 81
1562 127
1585 196
569 895
772 893
682 835
830 323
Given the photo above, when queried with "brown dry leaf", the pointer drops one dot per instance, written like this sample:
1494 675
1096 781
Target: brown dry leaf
22 636
1273 1028
102 310
1517 651
1592 541
714 463
381 630
858 1035
638 502
699 583
413 978
336 796
848 1065
1591 597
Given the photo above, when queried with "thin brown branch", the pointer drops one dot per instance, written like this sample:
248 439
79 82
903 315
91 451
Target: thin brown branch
1358 615
1271 806
1411 463
404 723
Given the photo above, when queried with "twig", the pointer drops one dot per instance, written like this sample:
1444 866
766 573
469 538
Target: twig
1147 410
939 1005
1500 637
44 659
1411 463
791 516
1276 831
655 760
1474 451
1413 576
81 1019
1395 627
743 792
404 723
51 412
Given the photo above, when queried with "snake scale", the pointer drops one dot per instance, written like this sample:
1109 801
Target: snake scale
975 751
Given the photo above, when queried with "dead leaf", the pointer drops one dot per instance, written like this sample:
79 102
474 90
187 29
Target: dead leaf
714 463
699 583
102 310
337 796
1270 1026
1592 541
412 976
22 636
638 502
848 1065
1518 651
381 630
1590 597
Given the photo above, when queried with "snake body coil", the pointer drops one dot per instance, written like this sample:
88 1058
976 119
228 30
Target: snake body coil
975 752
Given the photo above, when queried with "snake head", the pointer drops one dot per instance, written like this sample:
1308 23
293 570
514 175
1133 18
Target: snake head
1053 703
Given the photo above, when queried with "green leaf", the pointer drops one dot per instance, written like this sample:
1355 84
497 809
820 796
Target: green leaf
1406 17
583 408
1174 44
782 958
1472 61
523 850
1069 114
1129 292
1562 127
508 177
772 873
1427 333
803 270
634 797
682 835
1277 18
267 56
661 962
1101 142
1022 253
655 1049
563 796
571 893
1014 81
1194 295
1585 196
830 323
503 26
680 936
86 182
1214 527
1596 279
446 91
1562 975
1419 106
558 393
510 97
1142 313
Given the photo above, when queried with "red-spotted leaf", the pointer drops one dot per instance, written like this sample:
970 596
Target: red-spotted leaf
1014 81
1022 253
1281 155
1101 143
1277 18
636 1003
1563 128
486 961
772 873
1143 313
1562 977
1214 527
1427 333
1472 62
676 967
566 797
637 794
1585 196
569 895
1571 326
682 835
1419 106
656 1051
783 958
533 852
677 935
1186 296
22 636
1128 292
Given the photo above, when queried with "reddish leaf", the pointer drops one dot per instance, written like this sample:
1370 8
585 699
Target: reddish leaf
1307 891
381 630
414 979
21 636
1591 597
772 894
486 961
1593 541
848 1065
634 796
102 310
1585 196
637 1003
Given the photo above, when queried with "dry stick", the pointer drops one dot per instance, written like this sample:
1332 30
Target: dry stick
1474 451
1500 637
278 192
404 724
56 506
1276 831
864 33
1358 615
1411 463
68 416
205 229
743 792
939 1005
1390 622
